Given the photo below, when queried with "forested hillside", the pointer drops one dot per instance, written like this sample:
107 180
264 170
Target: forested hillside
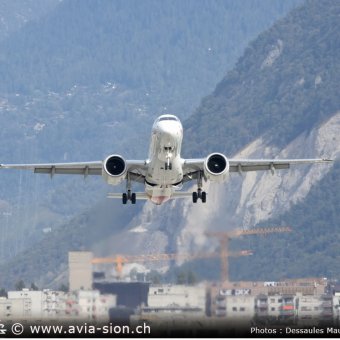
310 250
286 82
282 88
147 44
16 13
88 78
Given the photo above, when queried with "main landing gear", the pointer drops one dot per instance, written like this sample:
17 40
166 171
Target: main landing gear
128 195
199 194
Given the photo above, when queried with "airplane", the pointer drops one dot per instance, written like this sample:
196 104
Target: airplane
164 172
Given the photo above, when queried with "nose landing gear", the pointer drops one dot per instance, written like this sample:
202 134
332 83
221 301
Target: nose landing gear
168 165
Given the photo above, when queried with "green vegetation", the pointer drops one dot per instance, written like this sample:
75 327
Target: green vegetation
34 286
154 277
298 89
312 249
297 92
86 81
278 98
49 257
20 285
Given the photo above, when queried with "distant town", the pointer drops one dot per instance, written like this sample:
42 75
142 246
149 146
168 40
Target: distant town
95 297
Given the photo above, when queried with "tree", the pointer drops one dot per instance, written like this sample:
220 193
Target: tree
63 288
34 287
3 292
181 278
154 277
192 277
20 285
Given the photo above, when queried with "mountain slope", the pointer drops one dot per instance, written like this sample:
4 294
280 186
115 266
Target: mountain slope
277 101
48 259
88 79
280 102
311 250
16 13
85 42
286 82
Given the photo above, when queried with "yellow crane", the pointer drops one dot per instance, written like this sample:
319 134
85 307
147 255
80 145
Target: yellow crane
120 260
225 236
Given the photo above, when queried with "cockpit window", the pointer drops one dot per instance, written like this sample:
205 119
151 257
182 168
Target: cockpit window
167 118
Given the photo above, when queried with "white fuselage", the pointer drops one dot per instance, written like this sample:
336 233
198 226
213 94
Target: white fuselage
165 173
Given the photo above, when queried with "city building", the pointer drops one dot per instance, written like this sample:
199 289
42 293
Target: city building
11 309
89 305
314 309
45 304
240 308
177 296
80 270
83 305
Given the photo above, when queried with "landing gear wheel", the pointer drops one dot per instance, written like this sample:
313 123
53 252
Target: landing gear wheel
168 166
204 196
194 197
133 198
124 198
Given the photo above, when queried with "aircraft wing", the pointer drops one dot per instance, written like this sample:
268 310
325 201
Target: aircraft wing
192 166
77 168
135 168
240 165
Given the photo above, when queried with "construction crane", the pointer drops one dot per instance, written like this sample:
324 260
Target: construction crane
225 236
120 260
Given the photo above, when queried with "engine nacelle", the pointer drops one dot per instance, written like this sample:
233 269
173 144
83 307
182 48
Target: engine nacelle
114 169
216 167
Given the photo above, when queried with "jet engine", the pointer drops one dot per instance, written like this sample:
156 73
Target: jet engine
114 169
216 167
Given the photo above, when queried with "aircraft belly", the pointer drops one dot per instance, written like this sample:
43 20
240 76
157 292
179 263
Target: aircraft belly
159 195
159 176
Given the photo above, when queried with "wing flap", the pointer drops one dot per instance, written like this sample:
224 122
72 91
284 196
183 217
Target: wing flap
68 171
76 168
259 167
240 165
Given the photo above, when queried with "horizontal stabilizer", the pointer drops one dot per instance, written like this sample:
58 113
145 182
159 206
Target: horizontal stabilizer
139 195
144 196
180 194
